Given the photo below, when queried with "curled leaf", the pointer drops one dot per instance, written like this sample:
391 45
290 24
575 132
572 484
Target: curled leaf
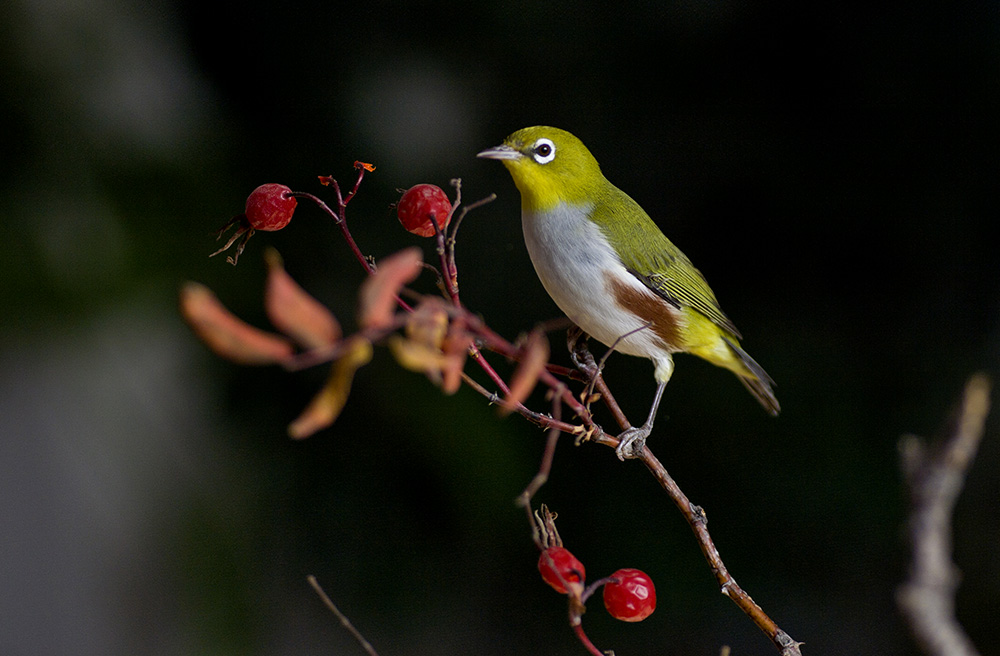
535 355
431 346
456 348
416 356
294 311
444 368
326 406
428 323
227 334
378 292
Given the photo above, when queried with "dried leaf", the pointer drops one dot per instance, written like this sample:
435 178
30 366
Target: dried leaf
416 356
535 357
326 406
456 349
378 292
294 311
428 323
428 346
227 334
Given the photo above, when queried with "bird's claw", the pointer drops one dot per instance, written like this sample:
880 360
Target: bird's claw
631 442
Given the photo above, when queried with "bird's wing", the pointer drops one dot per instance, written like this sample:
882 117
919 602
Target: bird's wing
655 260
682 285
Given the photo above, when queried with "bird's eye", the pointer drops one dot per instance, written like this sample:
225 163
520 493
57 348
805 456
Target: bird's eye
544 151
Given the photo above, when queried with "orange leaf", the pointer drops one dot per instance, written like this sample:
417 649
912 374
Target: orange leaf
456 348
378 292
326 406
227 334
533 360
455 351
295 312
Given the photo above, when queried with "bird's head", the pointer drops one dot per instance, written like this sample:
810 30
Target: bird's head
549 166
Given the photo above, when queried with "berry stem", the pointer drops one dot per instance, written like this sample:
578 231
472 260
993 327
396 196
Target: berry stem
588 645
354 190
446 247
340 218
595 586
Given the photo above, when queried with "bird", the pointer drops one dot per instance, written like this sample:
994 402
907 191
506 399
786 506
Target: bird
613 272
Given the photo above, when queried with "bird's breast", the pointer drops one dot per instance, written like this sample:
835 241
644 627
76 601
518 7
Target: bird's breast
587 280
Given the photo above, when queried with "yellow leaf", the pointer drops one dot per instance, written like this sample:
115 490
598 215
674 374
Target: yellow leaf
416 356
326 406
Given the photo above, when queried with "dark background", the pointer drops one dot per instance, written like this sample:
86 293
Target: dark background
832 169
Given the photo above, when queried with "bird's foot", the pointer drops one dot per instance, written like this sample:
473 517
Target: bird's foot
631 442
583 359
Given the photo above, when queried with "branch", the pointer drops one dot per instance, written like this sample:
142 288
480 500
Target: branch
698 521
935 477
346 623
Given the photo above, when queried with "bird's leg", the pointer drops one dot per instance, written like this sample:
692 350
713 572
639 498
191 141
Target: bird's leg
632 440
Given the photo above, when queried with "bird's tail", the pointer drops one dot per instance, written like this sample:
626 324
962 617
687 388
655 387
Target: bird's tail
756 380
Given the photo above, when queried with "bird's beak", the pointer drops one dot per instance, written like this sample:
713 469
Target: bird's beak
501 152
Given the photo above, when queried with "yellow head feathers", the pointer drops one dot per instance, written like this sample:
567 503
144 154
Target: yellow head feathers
549 166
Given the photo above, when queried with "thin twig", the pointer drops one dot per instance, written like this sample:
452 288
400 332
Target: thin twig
935 476
357 183
588 645
547 456
340 218
346 623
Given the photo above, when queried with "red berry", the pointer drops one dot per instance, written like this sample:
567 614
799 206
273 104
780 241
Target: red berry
418 204
630 597
268 208
559 559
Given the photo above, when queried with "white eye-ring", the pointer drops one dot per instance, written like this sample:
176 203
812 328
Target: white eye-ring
544 151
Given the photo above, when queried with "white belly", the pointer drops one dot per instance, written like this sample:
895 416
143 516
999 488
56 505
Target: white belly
574 260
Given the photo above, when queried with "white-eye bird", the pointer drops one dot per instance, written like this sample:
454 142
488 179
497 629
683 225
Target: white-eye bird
613 272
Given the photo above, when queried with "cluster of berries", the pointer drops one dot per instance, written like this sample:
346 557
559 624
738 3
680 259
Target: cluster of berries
423 210
629 594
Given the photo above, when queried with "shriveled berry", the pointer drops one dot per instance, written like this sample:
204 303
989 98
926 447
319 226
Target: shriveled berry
630 596
268 208
559 559
418 204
